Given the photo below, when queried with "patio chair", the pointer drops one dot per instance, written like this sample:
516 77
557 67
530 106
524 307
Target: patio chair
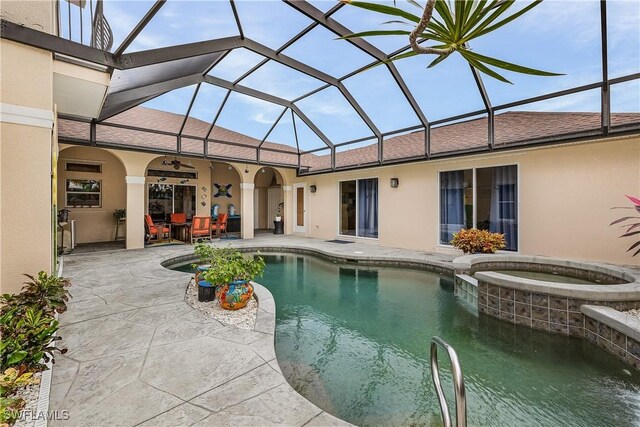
200 228
156 233
178 218
221 225
180 227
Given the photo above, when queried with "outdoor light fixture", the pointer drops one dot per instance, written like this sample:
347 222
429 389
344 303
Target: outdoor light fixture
164 178
263 171
246 169
394 182
184 181
230 167
313 188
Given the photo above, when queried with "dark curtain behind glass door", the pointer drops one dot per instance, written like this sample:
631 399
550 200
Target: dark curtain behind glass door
368 207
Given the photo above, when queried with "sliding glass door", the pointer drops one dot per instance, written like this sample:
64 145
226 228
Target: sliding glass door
165 199
485 198
359 208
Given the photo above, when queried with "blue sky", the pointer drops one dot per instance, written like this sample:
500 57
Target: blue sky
560 36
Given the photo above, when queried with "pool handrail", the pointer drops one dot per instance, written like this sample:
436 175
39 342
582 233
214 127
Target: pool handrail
458 384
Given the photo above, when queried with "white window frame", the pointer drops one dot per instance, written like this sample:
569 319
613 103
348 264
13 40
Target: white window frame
66 193
349 236
475 204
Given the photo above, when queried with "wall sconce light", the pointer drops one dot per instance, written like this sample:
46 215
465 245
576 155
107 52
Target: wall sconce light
394 182
184 181
313 188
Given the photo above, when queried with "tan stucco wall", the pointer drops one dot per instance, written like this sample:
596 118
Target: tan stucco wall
25 153
565 196
36 14
222 175
94 224
25 203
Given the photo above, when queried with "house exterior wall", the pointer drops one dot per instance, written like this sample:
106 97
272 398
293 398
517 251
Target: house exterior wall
94 224
26 122
565 198
222 175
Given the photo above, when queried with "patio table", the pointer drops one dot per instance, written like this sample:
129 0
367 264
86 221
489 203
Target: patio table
182 231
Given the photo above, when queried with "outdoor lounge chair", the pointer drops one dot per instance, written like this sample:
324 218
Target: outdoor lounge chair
156 233
200 228
220 226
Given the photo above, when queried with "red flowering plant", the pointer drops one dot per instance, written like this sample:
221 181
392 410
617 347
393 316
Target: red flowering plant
472 241
630 223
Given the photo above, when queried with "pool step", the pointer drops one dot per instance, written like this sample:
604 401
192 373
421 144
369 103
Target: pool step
466 287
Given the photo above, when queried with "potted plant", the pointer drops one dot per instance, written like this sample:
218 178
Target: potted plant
279 213
207 256
472 241
231 273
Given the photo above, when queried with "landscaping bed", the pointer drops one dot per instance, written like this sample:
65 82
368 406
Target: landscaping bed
244 318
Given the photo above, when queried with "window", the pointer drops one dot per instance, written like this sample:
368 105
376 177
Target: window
172 174
165 199
485 198
359 208
83 193
83 167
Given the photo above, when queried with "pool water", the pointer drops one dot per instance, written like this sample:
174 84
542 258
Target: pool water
548 277
355 341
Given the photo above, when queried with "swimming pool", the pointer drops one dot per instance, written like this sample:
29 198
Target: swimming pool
354 340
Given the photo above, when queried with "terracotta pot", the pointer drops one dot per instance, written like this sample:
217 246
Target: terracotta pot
234 295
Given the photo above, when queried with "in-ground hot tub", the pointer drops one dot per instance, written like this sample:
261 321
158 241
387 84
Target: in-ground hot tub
547 293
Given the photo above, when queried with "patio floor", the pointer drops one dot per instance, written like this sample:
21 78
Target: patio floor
139 355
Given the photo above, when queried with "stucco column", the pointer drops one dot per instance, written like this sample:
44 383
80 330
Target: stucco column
26 222
135 212
246 198
289 217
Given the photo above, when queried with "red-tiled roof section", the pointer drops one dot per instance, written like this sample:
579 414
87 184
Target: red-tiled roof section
169 122
510 127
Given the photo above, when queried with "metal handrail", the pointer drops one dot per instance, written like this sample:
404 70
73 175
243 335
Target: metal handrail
458 384
101 36
100 33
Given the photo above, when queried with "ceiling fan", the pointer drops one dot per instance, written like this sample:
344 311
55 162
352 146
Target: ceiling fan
177 164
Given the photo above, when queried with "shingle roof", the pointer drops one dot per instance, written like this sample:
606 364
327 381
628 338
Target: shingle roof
510 127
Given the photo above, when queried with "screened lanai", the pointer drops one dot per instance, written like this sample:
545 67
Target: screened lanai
272 82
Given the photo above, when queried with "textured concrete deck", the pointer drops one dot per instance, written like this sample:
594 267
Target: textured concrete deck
139 355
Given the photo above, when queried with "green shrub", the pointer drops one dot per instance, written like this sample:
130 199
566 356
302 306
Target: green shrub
10 408
46 292
27 338
472 241
229 265
12 379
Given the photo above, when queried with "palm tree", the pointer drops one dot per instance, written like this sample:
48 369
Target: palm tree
453 29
